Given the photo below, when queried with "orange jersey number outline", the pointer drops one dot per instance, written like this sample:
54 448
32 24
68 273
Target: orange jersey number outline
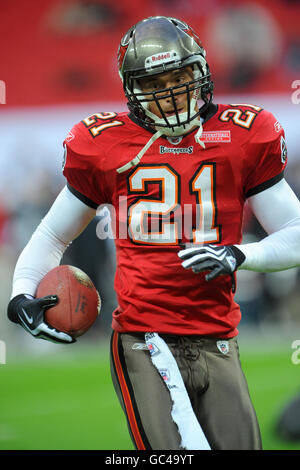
95 128
240 117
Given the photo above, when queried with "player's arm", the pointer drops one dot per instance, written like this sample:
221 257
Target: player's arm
66 219
278 211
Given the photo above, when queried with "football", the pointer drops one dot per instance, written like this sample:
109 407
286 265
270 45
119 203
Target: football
79 302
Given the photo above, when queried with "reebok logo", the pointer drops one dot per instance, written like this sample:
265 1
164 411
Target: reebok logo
140 346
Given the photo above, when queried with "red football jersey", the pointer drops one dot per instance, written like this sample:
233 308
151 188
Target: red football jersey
179 193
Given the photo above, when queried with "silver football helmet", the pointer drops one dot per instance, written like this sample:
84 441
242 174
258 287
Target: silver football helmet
156 45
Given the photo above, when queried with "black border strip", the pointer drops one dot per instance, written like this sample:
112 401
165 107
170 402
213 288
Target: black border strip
82 197
265 185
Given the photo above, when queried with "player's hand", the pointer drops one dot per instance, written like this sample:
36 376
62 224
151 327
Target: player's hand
215 259
29 313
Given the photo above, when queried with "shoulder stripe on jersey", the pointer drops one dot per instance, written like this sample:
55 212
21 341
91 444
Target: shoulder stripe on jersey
82 197
265 185
133 418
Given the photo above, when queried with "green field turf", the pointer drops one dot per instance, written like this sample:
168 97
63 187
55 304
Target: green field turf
66 400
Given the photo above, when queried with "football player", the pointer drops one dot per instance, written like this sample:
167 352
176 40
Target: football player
183 167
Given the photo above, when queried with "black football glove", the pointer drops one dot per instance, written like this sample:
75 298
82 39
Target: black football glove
29 313
213 258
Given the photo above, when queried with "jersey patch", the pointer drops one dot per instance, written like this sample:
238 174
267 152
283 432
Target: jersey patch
216 136
64 158
223 346
283 149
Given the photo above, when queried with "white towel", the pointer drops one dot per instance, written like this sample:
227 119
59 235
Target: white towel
192 436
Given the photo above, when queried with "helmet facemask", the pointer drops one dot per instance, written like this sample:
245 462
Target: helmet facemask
180 122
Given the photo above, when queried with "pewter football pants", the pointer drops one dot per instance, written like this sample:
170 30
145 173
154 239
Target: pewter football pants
213 379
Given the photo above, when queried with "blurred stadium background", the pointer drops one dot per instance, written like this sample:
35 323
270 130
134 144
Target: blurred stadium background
58 65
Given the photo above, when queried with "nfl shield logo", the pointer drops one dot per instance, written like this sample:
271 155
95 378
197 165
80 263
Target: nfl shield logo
223 346
174 140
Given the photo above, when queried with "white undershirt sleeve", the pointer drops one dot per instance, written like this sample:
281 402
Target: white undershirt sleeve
278 211
66 219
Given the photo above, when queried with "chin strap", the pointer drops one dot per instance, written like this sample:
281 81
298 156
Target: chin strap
198 135
136 160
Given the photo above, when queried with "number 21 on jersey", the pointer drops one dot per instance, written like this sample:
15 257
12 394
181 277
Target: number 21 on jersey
164 228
